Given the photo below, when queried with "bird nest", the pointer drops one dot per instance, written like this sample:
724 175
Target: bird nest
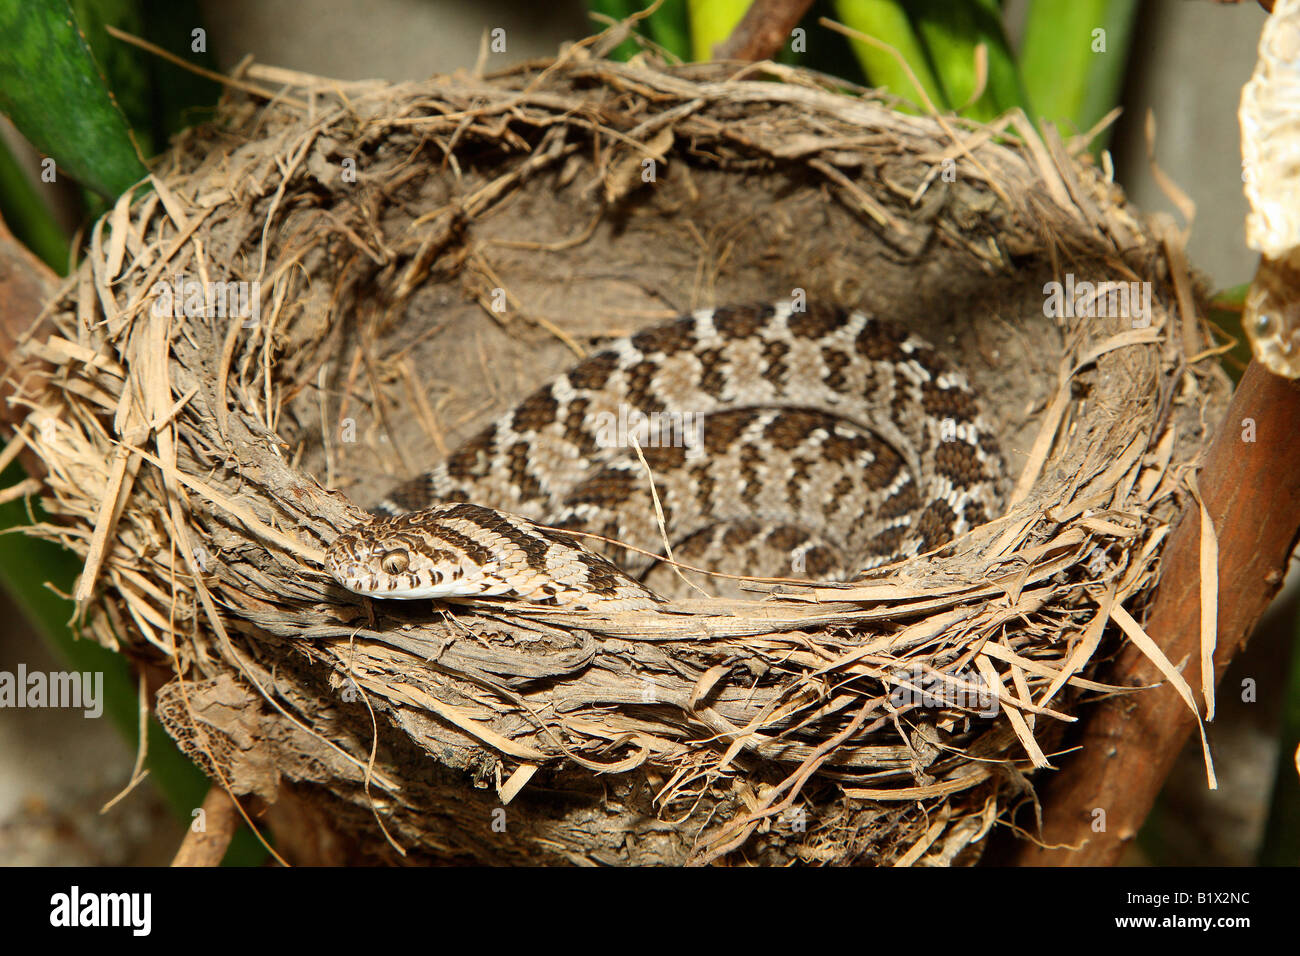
418 257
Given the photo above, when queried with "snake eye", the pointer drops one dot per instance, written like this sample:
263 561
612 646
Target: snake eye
395 562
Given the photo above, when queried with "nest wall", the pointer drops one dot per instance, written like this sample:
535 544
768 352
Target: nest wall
423 256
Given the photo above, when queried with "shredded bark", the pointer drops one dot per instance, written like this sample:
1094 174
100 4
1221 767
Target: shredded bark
428 252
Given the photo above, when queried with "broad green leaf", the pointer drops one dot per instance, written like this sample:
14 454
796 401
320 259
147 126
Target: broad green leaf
951 31
52 89
124 69
887 21
711 23
1072 59
670 27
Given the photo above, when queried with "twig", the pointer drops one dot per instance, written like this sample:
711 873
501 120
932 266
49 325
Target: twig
762 31
215 77
207 846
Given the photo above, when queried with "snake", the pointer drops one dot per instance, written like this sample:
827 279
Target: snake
780 440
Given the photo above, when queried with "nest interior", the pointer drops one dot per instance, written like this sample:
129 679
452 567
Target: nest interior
426 254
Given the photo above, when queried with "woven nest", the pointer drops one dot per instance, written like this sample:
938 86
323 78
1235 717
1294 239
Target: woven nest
427 254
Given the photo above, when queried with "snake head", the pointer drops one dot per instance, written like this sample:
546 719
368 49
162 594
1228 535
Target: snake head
389 557
459 550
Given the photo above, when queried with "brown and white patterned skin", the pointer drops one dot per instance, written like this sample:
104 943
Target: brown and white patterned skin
829 443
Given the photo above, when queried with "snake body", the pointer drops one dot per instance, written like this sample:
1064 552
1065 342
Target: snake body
818 443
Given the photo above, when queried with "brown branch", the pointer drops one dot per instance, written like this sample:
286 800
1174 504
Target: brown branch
26 284
763 30
220 821
1252 492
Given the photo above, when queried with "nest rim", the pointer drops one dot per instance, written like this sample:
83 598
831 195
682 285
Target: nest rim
146 428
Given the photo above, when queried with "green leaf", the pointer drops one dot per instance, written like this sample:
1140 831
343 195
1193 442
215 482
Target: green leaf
27 215
951 31
887 21
1072 59
827 51
52 89
670 27
711 23
123 66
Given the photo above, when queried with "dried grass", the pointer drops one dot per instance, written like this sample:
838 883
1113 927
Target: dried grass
186 458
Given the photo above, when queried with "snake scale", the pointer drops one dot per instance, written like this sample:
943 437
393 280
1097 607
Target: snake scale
816 443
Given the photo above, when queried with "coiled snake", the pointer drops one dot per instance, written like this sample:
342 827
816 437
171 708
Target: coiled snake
816 444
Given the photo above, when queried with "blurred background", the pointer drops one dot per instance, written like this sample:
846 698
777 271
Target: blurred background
1182 62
